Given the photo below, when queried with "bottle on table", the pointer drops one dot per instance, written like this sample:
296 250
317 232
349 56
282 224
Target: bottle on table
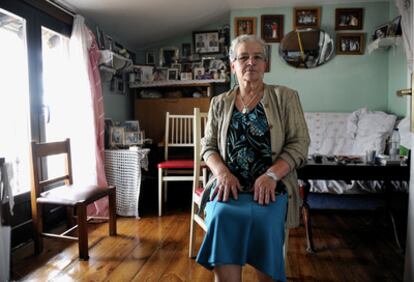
395 145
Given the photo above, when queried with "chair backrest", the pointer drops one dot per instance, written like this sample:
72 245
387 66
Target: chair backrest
39 151
200 121
178 132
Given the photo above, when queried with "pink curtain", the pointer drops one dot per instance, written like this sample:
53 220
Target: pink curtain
100 207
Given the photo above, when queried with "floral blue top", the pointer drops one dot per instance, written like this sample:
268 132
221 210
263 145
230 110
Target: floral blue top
249 152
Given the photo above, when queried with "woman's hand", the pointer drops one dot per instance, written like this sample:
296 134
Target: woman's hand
264 190
226 183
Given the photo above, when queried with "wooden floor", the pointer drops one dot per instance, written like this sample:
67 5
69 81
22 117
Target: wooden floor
349 248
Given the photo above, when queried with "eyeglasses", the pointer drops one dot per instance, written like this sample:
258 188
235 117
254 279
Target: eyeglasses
243 58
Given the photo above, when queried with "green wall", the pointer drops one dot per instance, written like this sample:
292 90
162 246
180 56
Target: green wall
346 83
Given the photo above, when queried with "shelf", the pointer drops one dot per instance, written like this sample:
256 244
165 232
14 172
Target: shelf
178 83
113 60
384 43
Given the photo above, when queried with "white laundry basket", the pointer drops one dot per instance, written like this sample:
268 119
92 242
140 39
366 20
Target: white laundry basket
123 170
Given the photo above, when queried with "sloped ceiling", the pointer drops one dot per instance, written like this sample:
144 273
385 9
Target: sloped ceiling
140 23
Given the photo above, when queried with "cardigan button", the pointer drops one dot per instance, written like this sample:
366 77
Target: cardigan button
273 153
266 105
290 196
270 126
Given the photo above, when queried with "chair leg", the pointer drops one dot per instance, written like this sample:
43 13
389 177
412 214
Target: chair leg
191 249
83 232
286 244
160 174
37 228
112 213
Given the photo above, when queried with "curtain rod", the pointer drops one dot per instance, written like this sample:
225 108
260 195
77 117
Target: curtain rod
61 7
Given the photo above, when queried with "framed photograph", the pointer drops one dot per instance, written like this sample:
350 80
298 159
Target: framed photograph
185 50
172 74
350 43
198 73
380 32
143 73
169 55
272 28
269 52
348 18
394 27
176 66
306 17
118 85
244 25
100 38
150 57
132 138
116 136
131 125
160 74
206 62
206 42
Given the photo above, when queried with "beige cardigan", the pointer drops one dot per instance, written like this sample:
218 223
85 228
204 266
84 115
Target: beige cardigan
288 134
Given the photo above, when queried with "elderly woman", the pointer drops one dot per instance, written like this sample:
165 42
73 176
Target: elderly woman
255 138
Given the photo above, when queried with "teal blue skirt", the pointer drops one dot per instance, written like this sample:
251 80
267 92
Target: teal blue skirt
242 231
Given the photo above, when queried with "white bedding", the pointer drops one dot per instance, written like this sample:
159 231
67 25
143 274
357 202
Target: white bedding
349 134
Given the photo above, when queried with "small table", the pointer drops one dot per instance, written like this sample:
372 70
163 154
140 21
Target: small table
333 171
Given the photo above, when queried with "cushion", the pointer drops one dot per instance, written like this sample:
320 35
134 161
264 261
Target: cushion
373 130
331 133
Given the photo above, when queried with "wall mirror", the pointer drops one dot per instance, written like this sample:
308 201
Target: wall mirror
306 48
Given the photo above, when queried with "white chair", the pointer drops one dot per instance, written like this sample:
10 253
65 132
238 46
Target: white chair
178 134
200 120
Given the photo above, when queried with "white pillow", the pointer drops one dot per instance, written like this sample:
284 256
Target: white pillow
374 128
405 134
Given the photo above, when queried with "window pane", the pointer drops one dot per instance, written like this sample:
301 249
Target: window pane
14 99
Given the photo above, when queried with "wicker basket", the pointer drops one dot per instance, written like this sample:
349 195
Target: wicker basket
123 170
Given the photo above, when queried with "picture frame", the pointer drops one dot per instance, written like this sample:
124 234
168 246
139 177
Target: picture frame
244 25
100 38
143 73
160 74
198 73
172 74
116 136
380 32
349 18
206 42
176 66
186 50
133 138
131 125
117 85
169 55
272 28
394 27
306 17
150 57
350 43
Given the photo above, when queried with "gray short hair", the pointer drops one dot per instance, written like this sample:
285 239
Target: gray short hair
245 38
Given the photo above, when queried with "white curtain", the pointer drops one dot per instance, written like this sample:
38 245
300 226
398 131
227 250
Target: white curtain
406 11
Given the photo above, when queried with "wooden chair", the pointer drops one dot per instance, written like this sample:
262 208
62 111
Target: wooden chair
178 134
199 121
64 194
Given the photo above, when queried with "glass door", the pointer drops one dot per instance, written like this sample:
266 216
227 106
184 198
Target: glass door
14 99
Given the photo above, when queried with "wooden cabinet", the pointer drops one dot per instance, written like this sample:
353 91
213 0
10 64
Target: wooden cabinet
151 111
